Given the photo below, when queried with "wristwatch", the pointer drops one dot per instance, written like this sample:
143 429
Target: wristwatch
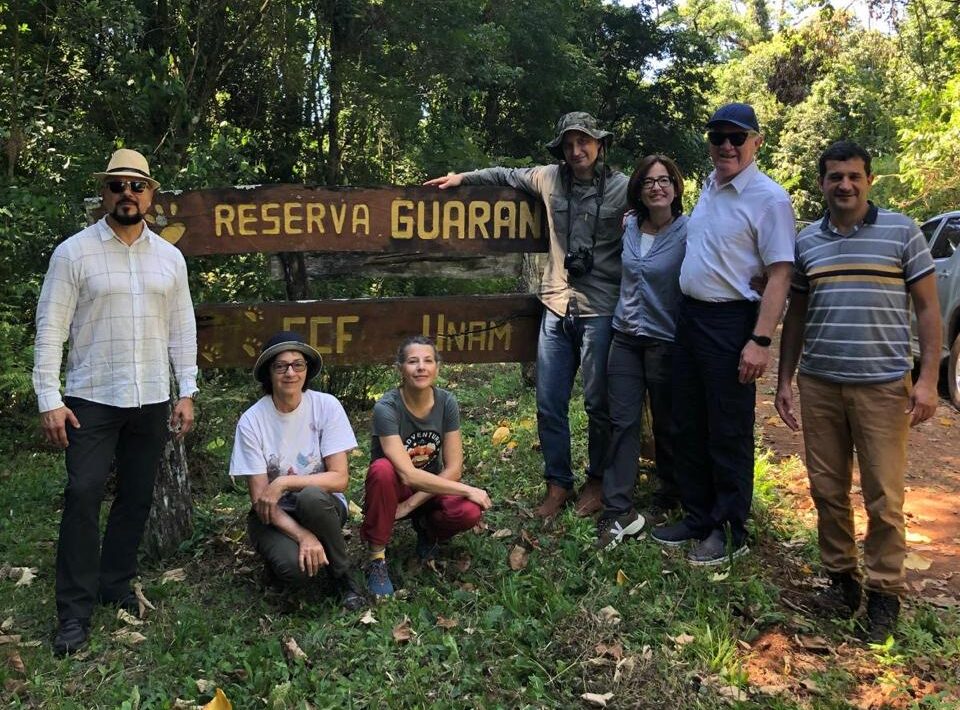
762 340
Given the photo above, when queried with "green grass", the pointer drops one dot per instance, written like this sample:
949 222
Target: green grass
530 638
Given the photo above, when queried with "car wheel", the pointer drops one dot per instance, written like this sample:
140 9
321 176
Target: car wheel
953 373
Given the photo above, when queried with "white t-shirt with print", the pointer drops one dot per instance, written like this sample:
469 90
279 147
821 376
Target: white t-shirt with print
291 443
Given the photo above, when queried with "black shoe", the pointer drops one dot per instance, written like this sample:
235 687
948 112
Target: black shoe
611 531
842 598
882 613
675 535
713 551
351 597
72 635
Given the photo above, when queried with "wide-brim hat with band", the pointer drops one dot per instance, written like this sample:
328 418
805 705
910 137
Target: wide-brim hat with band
280 343
129 164
577 121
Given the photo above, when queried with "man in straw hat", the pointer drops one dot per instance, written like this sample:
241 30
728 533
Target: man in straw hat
585 202
118 294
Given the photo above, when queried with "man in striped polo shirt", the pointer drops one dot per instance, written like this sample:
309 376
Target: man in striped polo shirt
855 274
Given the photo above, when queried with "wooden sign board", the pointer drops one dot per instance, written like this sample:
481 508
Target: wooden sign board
287 218
346 332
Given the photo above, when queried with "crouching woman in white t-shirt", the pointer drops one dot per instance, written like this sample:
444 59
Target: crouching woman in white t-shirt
292 446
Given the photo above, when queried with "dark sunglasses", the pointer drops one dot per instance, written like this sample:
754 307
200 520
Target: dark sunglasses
118 186
737 138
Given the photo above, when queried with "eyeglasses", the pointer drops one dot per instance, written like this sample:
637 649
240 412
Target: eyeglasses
118 186
736 138
663 181
280 368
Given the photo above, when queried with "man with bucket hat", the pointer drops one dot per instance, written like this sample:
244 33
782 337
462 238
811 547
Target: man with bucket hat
118 294
742 227
292 447
585 202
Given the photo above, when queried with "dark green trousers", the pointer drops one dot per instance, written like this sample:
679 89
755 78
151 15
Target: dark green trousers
321 513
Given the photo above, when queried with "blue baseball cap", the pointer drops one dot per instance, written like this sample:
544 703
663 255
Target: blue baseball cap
738 114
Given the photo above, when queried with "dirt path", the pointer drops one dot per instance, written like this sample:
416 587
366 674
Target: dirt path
933 491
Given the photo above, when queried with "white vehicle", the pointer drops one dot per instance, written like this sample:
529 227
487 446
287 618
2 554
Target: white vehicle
943 237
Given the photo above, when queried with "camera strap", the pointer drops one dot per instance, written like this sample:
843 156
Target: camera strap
598 197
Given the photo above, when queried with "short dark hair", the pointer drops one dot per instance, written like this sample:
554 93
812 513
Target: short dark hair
636 184
840 151
416 340
266 384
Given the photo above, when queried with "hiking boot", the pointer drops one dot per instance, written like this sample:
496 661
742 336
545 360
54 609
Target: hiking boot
378 578
590 499
612 530
72 635
882 613
346 587
553 501
713 551
674 535
842 598
427 547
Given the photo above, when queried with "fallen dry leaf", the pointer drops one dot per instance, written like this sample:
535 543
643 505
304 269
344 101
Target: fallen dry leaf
205 686
9 639
810 685
518 558
612 650
622 578
915 560
682 639
173 575
23 575
445 623
129 637
292 650
402 631
16 663
817 644
142 599
354 510
368 618
7 624
625 666
917 537
610 615
597 700
500 436
128 618
502 533
944 602
732 692
219 702
719 576
946 422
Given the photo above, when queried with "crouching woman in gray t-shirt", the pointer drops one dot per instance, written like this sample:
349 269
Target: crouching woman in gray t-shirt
416 464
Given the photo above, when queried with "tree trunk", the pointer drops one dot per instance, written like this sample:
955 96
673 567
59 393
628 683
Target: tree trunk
171 517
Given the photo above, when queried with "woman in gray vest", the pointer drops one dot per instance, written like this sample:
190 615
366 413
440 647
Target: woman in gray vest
654 243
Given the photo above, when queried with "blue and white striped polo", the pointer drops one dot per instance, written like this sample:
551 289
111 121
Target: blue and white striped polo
858 311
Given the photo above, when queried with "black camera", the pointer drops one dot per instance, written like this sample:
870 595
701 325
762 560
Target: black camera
578 262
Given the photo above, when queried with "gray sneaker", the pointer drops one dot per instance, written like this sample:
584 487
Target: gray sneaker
713 551
611 531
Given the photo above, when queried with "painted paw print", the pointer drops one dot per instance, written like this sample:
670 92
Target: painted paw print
251 346
171 231
211 353
253 314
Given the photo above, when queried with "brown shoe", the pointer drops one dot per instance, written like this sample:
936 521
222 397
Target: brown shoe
590 500
553 501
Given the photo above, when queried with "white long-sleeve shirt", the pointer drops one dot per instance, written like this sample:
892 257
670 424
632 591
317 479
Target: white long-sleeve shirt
128 315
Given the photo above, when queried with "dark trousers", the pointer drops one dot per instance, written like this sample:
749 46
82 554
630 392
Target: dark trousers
713 415
637 366
321 513
133 438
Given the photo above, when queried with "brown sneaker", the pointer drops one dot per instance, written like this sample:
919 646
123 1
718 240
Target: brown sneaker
553 501
590 500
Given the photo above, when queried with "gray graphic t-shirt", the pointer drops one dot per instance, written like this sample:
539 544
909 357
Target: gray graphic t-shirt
422 438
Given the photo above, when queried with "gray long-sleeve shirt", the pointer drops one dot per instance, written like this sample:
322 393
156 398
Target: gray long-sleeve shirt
595 293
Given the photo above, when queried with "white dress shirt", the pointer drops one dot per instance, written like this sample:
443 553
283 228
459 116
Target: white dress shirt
736 230
128 315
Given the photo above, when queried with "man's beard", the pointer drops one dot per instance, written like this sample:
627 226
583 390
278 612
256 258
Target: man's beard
125 218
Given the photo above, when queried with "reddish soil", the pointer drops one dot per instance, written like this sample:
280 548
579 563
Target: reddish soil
933 491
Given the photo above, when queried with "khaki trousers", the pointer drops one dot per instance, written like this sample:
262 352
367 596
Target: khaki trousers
838 418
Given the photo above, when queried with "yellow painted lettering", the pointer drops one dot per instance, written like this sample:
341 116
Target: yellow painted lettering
501 333
504 216
315 212
223 216
434 229
476 333
361 218
453 216
289 322
315 323
245 218
267 216
343 337
456 336
338 219
479 216
292 213
530 220
401 225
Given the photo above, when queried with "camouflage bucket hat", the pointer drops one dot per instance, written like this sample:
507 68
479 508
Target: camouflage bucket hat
577 121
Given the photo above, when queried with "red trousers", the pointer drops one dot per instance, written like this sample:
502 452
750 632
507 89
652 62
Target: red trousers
444 516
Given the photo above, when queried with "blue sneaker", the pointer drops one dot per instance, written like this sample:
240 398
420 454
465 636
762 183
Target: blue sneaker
427 548
378 578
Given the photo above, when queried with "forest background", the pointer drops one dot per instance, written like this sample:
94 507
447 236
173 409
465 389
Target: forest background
367 92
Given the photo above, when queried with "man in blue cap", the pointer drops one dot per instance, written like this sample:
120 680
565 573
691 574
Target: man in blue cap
742 227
